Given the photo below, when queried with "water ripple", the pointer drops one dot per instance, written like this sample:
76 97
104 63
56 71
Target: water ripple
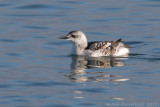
113 9
34 6
141 25
109 19
58 43
71 2
134 42
5 86
13 54
155 0
5 66
142 84
4 5
8 40
42 6
35 15
93 90
150 5
36 27
153 20
56 105
46 84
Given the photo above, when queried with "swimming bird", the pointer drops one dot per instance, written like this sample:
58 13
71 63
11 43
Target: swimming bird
96 48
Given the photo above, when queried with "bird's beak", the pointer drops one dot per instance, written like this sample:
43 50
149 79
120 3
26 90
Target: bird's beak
64 37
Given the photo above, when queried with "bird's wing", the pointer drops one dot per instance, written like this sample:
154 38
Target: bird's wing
115 43
110 46
93 46
118 43
107 47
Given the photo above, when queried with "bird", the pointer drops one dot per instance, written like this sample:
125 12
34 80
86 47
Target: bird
96 48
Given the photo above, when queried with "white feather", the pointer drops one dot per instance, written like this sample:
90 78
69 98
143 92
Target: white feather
122 52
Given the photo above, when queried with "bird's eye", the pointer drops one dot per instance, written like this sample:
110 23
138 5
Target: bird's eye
73 36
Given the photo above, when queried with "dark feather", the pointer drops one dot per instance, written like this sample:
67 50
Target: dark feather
90 44
117 41
96 45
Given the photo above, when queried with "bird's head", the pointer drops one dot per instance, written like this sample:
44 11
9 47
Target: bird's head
77 37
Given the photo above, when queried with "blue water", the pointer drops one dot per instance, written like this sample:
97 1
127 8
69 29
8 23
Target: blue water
37 70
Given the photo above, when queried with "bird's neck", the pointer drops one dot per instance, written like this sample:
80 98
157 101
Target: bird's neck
79 47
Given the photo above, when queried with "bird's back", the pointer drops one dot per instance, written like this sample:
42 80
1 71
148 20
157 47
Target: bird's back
107 48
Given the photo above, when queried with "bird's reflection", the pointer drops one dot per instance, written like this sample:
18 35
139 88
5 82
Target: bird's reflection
83 62
80 64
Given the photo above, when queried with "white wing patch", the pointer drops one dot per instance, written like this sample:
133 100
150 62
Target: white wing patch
122 52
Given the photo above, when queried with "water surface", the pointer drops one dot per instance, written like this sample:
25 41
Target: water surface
37 70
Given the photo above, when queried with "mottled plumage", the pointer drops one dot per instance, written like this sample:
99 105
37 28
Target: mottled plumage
96 48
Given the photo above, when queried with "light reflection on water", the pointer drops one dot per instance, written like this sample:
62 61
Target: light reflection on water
80 64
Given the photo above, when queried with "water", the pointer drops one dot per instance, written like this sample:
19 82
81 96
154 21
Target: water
37 70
